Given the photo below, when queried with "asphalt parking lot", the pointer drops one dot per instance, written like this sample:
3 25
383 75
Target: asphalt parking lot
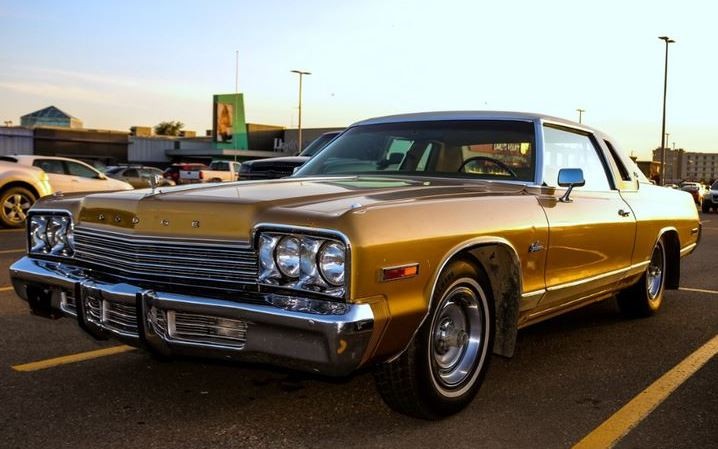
569 375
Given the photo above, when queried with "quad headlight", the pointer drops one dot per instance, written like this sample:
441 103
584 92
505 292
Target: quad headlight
51 234
303 262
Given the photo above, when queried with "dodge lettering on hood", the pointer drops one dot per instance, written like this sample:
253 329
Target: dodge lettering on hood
417 245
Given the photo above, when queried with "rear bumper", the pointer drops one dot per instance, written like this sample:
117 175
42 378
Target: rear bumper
175 324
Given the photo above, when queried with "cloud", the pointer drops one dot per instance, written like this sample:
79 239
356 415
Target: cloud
57 91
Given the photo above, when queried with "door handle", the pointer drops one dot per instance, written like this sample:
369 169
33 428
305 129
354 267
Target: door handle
623 213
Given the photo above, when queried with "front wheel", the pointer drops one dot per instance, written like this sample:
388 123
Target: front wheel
645 297
443 367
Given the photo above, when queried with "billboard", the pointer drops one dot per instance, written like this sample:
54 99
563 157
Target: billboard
229 128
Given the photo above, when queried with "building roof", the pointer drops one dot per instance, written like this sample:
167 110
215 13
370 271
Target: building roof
50 112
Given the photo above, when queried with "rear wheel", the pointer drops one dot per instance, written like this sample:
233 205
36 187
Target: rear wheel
443 367
645 297
14 204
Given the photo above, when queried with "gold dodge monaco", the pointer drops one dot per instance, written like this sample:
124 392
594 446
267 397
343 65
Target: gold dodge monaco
415 244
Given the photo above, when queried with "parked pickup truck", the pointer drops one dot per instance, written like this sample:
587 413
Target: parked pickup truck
219 171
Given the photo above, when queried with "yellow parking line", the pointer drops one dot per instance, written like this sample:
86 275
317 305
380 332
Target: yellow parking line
74 358
10 251
699 290
617 426
5 289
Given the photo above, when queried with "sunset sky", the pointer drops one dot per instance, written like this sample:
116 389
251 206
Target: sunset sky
115 64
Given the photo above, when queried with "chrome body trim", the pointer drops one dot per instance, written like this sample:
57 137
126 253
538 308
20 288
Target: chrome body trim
688 249
331 343
565 307
635 267
529 300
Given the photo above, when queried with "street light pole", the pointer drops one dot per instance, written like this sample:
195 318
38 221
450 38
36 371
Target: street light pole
580 114
667 40
299 126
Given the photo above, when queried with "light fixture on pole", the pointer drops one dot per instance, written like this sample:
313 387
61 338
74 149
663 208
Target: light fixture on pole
299 126
580 114
667 40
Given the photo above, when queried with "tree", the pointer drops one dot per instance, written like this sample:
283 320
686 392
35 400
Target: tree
171 128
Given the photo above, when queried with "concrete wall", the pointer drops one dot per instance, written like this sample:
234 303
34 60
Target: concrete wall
15 140
107 146
153 150
262 137
149 149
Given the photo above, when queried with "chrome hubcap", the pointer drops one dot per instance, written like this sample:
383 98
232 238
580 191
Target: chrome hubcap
15 207
654 274
457 337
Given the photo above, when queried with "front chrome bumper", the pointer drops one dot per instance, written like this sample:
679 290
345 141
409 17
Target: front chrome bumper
176 324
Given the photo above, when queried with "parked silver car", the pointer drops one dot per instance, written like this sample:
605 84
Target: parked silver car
69 175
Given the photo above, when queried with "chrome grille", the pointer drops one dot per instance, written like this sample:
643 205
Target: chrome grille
93 308
178 326
173 260
114 316
121 317
67 303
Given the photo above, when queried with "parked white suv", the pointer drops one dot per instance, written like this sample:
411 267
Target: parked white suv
20 187
710 199
70 175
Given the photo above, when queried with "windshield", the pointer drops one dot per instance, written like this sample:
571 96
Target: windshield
499 150
317 144
714 186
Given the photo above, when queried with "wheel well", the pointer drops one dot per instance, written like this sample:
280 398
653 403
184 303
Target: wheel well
24 185
673 256
502 267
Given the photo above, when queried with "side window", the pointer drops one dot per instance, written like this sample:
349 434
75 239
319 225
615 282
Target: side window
131 173
619 163
53 166
75 169
567 149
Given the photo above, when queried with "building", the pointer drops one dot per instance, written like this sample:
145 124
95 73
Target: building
700 167
50 116
52 132
684 165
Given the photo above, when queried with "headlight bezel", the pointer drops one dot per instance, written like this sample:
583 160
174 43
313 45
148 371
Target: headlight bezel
310 280
53 247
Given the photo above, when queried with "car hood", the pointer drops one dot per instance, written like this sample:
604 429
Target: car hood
231 210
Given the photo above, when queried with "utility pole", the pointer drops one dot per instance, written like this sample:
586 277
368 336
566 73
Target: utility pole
667 40
299 127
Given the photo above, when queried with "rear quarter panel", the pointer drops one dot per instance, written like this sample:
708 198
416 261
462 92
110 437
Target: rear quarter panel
658 209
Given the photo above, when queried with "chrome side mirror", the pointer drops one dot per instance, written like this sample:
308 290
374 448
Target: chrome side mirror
570 177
